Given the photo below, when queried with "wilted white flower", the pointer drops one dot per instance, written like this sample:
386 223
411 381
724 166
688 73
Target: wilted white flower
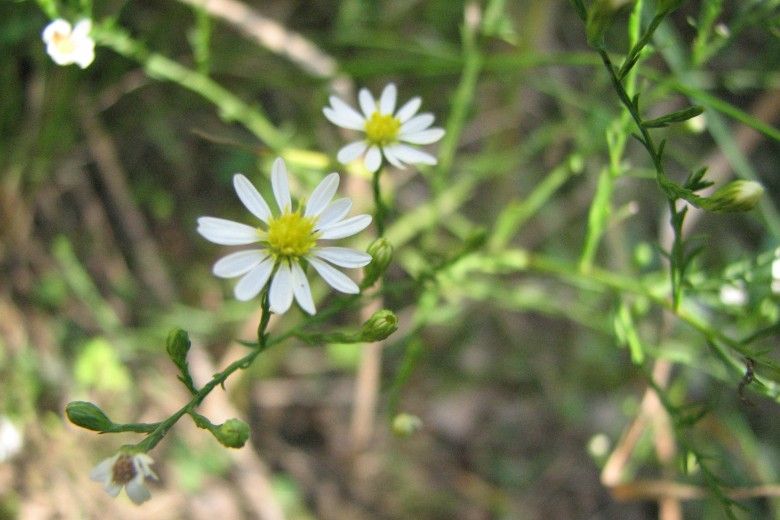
66 44
289 240
386 130
128 470
11 439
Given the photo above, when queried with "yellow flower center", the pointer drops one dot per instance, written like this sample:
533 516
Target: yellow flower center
123 470
290 235
382 129
64 43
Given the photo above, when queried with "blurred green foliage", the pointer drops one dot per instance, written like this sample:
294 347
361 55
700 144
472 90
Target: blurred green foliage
530 267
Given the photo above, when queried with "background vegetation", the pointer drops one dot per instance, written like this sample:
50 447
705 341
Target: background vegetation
530 274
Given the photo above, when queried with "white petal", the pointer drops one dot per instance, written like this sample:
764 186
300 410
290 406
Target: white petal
236 264
367 103
346 228
279 185
389 153
137 491
226 232
387 100
301 289
337 210
142 463
422 137
281 294
343 256
373 159
85 56
82 28
416 124
351 151
334 277
251 198
409 109
112 489
412 156
103 471
253 282
59 26
322 195
344 116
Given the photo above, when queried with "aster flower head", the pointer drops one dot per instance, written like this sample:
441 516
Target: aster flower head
289 241
66 44
125 470
387 131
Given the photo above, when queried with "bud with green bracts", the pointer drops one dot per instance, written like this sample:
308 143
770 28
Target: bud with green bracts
381 252
233 433
600 17
89 416
379 326
178 345
736 196
405 424
667 6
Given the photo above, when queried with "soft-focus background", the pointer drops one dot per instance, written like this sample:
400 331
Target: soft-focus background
521 377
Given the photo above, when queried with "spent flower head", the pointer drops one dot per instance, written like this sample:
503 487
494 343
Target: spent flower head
128 470
387 130
289 241
68 44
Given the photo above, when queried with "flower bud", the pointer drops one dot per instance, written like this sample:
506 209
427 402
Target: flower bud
87 415
233 433
381 252
740 195
405 424
600 17
667 6
177 345
379 326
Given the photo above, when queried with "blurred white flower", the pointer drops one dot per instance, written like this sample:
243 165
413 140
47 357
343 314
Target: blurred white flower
11 439
386 130
776 275
128 470
66 44
734 294
286 240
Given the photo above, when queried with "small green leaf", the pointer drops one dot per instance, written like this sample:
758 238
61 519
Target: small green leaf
675 117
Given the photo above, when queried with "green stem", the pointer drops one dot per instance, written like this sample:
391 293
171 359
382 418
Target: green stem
379 216
461 102
231 108
219 379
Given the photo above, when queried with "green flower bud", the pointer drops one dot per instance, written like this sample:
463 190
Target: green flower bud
177 345
667 6
381 252
405 424
87 415
740 195
379 326
600 17
233 433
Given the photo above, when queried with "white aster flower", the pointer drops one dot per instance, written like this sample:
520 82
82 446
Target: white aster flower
66 44
386 130
128 470
287 241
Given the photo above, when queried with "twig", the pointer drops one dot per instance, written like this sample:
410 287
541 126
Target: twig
143 248
271 35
